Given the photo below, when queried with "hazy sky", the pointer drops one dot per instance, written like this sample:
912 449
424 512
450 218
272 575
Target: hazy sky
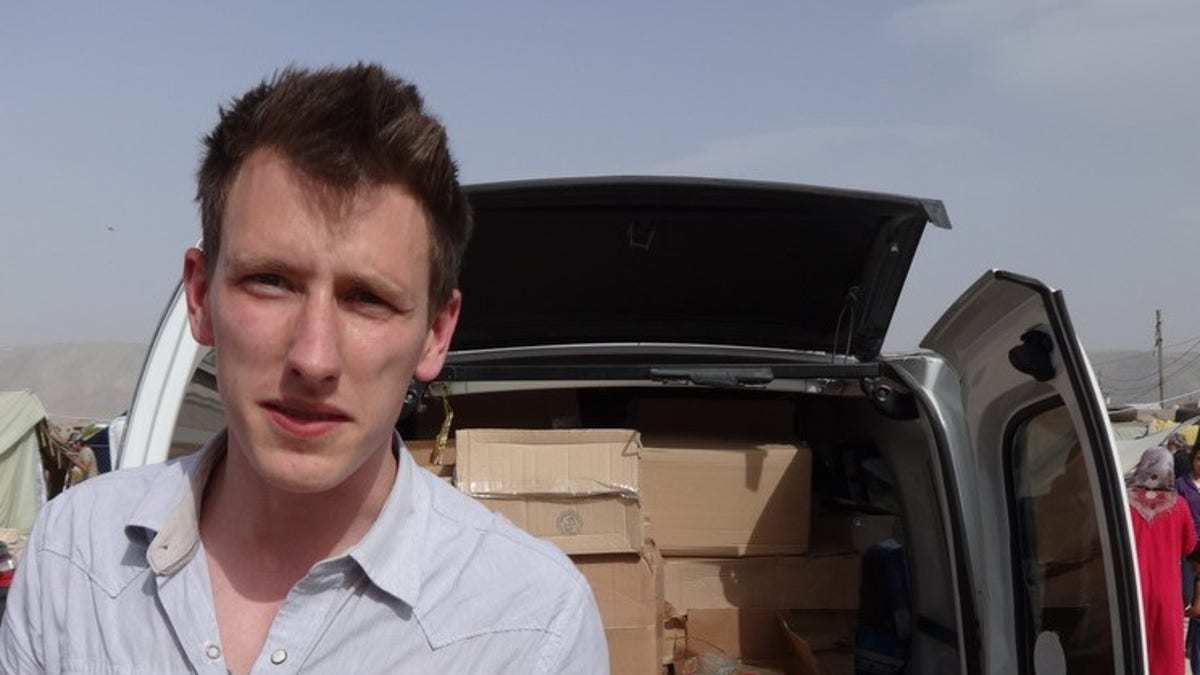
1061 135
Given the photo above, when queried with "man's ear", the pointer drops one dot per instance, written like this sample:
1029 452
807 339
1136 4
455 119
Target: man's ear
195 290
437 342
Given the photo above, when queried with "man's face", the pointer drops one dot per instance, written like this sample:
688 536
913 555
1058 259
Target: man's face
320 317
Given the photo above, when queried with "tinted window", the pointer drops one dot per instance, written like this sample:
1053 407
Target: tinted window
1065 601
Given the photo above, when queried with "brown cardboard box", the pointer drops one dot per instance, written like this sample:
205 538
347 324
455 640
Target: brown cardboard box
776 582
823 630
577 488
742 634
838 533
801 644
726 498
628 591
817 583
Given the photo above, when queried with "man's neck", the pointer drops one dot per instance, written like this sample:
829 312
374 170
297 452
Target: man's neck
241 511
260 541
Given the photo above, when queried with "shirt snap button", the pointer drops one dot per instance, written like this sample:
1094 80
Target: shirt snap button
213 652
278 656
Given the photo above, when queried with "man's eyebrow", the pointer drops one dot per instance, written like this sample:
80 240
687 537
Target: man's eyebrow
239 265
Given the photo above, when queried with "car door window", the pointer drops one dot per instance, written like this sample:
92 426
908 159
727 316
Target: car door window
1064 602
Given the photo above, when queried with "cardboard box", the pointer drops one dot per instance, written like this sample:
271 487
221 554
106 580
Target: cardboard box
726 498
578 488
823 630
816 584
755 635
851 532
628 591
803 644
774 582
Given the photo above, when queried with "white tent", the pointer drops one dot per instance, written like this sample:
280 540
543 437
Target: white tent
22 491
1134 438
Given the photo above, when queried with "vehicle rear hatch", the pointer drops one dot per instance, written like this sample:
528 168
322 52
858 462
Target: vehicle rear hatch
685 261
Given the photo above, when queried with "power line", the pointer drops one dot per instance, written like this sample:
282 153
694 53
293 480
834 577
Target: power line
1138 382
1189 351
1182 396
1143 384
1194 340
1127 380
1138 393
1177 370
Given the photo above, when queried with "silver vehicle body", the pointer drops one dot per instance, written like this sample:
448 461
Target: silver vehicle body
1019 547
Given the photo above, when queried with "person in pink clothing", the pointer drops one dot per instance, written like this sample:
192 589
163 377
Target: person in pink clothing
1164 534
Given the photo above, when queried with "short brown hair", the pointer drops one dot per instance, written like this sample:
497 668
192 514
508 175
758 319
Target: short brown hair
347 128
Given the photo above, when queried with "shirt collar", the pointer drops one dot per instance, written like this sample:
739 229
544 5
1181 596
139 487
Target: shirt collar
170 509
390 553
392 550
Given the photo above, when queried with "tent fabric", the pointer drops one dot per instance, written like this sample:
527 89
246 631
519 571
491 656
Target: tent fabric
20 461
20 411
1134 438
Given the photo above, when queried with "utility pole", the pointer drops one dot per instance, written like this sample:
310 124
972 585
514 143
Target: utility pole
1158 348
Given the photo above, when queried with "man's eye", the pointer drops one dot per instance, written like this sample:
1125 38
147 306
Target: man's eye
266 279
366 298
266 283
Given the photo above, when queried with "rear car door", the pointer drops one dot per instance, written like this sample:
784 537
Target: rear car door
1054 572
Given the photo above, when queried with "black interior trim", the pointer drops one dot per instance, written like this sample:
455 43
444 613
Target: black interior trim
646 371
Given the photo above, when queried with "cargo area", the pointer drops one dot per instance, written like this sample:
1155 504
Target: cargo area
795 528
786 532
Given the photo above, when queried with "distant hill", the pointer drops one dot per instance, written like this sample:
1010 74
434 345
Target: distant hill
91 381
95 381
1132 376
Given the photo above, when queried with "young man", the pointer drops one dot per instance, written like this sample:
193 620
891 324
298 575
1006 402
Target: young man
303 537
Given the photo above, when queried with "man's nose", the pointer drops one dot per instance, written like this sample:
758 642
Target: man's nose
315 351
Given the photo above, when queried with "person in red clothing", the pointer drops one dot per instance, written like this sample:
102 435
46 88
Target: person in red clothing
1187 484
1163 534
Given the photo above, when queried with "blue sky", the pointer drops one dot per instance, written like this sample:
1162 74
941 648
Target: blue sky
1061 134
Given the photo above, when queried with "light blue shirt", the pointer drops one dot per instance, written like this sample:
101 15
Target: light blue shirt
114 580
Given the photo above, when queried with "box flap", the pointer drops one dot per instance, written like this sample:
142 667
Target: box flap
628 592
627 587
518 463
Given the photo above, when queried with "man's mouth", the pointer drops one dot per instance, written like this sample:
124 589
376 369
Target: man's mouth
306 413
304 419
